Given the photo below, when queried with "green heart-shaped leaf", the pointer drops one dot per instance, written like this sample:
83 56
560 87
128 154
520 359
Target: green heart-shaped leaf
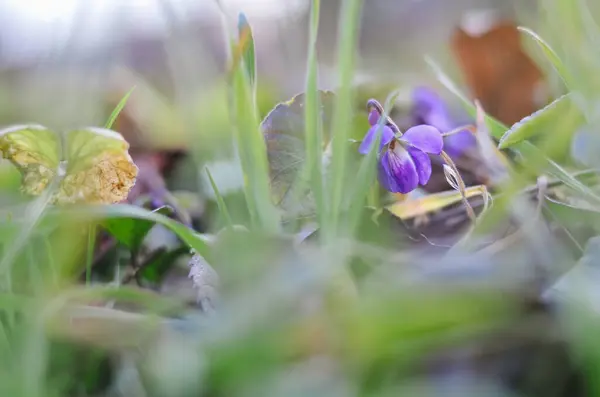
283 129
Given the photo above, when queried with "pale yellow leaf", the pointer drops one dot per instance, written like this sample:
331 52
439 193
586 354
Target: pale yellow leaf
93 165
34 150
411 208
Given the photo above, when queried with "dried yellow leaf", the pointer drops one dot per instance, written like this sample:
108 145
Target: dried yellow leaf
90 165
412 208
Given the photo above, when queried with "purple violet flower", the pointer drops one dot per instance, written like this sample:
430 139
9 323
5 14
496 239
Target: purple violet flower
386 134
404 162
429 108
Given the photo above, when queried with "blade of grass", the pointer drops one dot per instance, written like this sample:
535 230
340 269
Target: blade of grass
101 212
251 145
342 290
364 179
550 54
35 212
225 27
592 31
220 202
253 156
531 152
497 129
117 110
576 47
147 300
312 119
248 57
589 24
349 27
91 244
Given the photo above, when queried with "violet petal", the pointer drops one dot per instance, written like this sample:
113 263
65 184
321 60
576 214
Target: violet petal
384 175
425 138
457 144
426 102
426 98
373 116
367 142
429 108
397 171
422 164
439 120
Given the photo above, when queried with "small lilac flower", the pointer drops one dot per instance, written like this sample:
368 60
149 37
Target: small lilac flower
404 162
429 108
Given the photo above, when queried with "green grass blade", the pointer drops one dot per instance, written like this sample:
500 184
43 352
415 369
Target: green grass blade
103 212
343 110
117 110
536 159
550 54
145 299
312 118
592 31
576 44
589 24
497 129
249 139
91 244
253 156
35 214
248 56
220 202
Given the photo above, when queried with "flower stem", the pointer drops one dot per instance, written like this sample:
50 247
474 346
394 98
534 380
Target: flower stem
468 127
91 244
461 186
374 103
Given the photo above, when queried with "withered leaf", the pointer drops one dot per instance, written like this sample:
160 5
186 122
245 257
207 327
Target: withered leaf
90 165
283 129
499 72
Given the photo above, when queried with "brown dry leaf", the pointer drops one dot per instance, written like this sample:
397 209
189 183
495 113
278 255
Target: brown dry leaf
498 72
90 165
